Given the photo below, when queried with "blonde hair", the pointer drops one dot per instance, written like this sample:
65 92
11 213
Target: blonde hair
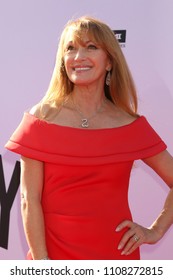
121 91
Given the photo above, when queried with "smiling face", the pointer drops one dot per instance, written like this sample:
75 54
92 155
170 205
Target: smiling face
85 61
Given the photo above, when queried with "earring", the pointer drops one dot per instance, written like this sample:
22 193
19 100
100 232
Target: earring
108 78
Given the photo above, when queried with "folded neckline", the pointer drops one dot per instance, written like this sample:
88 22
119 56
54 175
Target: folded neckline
84 129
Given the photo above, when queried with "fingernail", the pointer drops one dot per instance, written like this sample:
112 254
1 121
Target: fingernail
117 229
122 253
120 247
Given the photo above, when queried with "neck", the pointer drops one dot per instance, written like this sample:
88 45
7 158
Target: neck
88 101
88 105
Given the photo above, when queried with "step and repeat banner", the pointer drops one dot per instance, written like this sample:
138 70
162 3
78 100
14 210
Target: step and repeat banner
29 33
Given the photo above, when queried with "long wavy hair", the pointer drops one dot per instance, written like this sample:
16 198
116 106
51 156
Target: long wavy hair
121 90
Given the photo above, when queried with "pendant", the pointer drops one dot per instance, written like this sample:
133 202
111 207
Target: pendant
85 123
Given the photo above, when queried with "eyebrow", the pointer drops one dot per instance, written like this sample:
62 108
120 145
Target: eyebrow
84 42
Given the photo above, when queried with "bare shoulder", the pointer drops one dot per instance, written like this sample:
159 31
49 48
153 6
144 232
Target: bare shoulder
40 110
119 116
35 110
126 118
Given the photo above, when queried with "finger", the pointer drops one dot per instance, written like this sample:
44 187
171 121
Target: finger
126 238
131 245
125 223
138 238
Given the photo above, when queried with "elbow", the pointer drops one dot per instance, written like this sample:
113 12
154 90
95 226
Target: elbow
24 204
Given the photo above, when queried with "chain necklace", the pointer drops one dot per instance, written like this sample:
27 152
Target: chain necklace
84 119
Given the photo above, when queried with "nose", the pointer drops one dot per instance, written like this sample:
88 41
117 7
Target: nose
80 54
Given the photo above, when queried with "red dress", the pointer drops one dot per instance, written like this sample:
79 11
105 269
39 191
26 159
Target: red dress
85 194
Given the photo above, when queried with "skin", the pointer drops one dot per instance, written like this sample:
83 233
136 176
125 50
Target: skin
82 63
162 164
31 209
83 67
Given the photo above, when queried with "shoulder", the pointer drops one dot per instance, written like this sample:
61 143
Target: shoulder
123 118
118 117
40 110
36 110
45 111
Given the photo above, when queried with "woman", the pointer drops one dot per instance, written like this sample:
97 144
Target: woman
78 146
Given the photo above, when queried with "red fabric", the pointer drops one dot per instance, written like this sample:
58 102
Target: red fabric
87 172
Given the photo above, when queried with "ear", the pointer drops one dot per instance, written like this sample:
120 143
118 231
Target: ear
109 66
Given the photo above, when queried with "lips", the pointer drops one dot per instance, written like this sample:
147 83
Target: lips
79 69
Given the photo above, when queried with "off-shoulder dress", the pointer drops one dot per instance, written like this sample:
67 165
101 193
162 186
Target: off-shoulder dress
86 181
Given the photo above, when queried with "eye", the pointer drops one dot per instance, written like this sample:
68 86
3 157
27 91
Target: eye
70 48
92 47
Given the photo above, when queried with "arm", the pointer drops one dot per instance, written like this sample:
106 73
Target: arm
162 164
32 215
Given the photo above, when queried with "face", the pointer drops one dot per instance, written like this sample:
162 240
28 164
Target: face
85 62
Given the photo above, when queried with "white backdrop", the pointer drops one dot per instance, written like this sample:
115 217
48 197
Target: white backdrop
29 32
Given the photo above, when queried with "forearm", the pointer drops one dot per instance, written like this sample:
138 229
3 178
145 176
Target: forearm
34 228
165 219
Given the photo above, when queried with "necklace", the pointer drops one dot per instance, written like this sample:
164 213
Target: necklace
84 119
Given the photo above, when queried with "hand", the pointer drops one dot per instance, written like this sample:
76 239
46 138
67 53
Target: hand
135 236
45 258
